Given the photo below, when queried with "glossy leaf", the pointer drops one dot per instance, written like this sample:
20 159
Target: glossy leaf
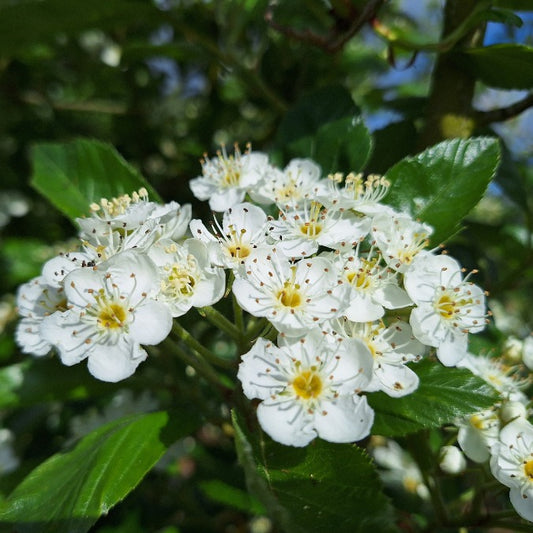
444 394
326 126
442 184
225 494
315 488
505 66
517 5
71 490
73 175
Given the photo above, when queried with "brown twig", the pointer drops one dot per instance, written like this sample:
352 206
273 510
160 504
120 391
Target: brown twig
504 113
337 38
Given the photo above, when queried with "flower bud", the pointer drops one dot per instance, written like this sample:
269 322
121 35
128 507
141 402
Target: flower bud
527 353
451 460
511 411
512 350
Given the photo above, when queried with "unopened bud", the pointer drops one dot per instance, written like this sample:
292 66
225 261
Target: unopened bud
451 460
511 411
512 350
527 352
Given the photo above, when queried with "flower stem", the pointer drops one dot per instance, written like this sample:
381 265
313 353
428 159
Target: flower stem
207 356
220 321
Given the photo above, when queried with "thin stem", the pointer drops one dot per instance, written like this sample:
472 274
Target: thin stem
504 113
206 354
220 321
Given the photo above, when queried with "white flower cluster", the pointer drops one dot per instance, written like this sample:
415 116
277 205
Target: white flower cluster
133 274
502 435
330 272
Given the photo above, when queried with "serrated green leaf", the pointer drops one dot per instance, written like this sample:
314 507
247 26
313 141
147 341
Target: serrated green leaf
443 394
442 184
73 175
317 487
71 490
505 66
326 126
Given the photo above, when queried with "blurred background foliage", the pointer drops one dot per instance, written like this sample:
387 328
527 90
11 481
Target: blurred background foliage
165 81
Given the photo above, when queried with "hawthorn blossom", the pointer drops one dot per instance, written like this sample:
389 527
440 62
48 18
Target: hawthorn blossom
447 307
502 377
225 180
128 222
300 180
451 460
301 231
477 433
111 311
391 348
511 463
293 296
373 287
242 231
187 278
36 300
399 238
362 195
309 387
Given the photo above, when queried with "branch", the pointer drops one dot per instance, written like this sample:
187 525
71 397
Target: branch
504 113
336 38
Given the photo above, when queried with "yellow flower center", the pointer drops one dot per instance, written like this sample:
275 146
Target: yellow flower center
179 281
311 229
231 177
239 251
528 469
307 384
112 316
290 295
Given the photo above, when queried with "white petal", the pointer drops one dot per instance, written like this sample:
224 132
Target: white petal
346 419
287 423
396 380
450 352
523 501
114 363
29 338
363 309
151 324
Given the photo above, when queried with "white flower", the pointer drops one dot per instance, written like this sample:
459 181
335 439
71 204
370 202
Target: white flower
400 469
399 238
391 348
130 222
309 387
527 353
187 278
299 180
451 460
111 311
511 463
504 378
55 269
358 194
295 297
301 231
35 301
477 433
226 179
373 287
243 230
448 307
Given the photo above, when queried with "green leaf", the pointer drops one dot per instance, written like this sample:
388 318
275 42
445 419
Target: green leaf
73 175
505 66
22 24
225 494
316 488
503 16
71 490
326 126
442 184
443 394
